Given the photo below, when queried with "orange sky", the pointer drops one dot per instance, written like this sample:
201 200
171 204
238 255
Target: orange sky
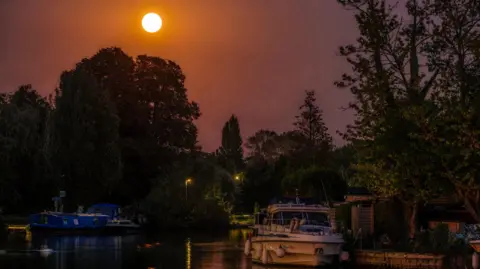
253 58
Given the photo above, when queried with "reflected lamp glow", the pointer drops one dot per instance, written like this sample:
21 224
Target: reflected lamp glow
188 253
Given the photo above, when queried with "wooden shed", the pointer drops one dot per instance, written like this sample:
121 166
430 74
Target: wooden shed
362 211
444 209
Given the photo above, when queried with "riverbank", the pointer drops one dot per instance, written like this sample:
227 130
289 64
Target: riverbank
212 227
15 219
399 259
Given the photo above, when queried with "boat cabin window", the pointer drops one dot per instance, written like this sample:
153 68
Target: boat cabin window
276 217
288 216
318 218
312 218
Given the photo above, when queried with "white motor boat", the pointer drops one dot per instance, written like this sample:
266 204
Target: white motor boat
294 234
122 226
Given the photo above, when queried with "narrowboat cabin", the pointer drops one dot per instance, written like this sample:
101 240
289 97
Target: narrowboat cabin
58 221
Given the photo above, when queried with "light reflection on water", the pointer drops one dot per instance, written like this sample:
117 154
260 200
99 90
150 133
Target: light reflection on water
177 251
188 251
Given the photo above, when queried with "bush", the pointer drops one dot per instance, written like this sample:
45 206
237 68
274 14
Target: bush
209 215
440 240
206 213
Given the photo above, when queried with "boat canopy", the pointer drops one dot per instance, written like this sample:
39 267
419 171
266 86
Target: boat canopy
111 210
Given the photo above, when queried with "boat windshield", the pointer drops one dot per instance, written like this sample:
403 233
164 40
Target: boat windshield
311 218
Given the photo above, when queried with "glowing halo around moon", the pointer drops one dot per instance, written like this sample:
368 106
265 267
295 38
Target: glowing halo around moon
151 22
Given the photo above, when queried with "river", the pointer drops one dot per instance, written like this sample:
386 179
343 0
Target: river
172 250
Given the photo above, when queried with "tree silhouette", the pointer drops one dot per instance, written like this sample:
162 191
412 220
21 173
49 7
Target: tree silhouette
230 152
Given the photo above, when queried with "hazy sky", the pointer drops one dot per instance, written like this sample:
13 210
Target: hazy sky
253 58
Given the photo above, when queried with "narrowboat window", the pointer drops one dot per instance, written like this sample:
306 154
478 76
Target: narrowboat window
65 221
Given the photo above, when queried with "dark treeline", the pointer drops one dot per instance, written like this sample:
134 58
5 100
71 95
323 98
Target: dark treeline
121 129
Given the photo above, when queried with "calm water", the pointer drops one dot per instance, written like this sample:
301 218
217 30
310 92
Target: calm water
172 251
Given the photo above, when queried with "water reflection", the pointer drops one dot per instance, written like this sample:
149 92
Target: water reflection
173 251
188 248
84 252
238 234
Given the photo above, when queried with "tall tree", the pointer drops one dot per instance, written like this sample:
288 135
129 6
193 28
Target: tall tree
391 96
22 124
310 123
156 118
453 133
260 145
231 151
311 127
85 139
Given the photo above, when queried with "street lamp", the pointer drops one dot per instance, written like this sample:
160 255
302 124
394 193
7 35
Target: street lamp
238 177
187 182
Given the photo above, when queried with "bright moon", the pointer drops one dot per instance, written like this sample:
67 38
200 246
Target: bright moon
151 22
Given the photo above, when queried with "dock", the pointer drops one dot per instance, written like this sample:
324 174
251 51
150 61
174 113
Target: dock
17 228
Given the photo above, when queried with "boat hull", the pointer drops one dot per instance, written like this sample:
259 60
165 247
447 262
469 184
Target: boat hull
85 231
122 229
296 253
66 231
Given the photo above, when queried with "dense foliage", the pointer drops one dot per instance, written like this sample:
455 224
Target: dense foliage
121 129
415 81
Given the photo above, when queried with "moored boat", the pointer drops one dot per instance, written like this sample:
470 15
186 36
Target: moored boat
67 222
117 223
99 219
294 234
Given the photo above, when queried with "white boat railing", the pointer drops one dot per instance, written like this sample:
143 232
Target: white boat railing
295 226
291 205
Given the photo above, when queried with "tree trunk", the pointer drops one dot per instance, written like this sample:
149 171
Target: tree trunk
411 214
472 204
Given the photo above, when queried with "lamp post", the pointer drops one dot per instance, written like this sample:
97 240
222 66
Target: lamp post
187 182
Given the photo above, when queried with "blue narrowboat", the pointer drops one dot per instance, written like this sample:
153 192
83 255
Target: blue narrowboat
68 222
100 218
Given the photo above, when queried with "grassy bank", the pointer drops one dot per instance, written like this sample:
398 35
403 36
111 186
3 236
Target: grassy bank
15 219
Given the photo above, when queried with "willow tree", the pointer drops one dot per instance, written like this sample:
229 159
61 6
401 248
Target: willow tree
85 139
23 182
